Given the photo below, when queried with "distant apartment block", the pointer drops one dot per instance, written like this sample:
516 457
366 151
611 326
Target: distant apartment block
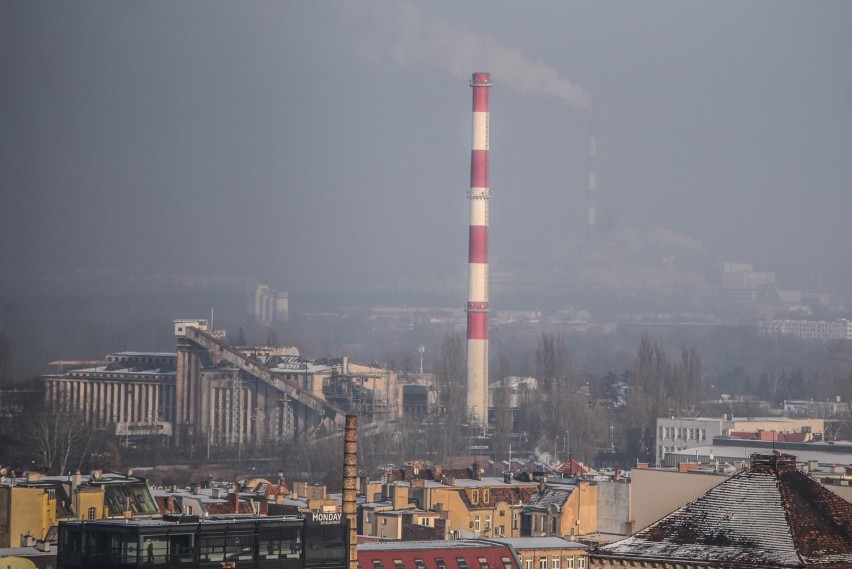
840 329
675 434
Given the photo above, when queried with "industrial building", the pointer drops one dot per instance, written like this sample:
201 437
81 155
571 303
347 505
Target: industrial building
211 393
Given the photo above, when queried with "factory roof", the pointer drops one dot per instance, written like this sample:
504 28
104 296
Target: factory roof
771 515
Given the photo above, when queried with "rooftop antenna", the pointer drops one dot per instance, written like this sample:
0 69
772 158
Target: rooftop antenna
422 349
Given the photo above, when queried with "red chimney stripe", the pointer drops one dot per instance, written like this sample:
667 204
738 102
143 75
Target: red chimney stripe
477 325
480 94
479 169
478 252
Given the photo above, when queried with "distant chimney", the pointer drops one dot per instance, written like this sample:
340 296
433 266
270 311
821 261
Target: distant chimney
234 502
350 477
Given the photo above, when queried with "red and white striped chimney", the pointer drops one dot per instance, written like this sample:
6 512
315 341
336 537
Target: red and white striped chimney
477 298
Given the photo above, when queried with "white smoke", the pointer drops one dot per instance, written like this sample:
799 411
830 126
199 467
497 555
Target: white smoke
543 457
406 34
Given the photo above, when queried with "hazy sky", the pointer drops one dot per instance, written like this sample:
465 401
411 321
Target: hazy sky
327 144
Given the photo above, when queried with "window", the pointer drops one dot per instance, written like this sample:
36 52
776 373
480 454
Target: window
462 562
475 496
528 563
515 518
155 549
542 562
181 547
483 563
377 564
569 562
555 562
487 522
507 563
384 521
476 523
581 563
397 563
419 564
439 561
92 512
660 432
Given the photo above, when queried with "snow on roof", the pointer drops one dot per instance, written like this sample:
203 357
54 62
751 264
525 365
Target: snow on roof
771 514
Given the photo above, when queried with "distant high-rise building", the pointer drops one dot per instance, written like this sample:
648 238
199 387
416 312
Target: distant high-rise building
270 305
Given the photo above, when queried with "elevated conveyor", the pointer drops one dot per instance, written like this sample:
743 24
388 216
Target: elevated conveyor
219 350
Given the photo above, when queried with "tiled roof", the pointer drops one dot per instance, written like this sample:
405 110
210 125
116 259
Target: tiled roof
771 515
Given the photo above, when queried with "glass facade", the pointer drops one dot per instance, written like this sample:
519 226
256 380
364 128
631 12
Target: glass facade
263 543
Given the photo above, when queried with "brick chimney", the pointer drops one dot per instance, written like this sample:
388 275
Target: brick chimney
234 502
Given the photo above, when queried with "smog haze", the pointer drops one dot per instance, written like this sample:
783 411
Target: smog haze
326 145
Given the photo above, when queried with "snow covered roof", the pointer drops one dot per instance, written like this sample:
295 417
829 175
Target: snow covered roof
771 515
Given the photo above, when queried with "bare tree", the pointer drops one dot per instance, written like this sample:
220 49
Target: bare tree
449 420
502 411
63 441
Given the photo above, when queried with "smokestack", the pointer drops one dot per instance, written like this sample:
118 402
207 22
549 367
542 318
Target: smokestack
350 480
477 298
591 196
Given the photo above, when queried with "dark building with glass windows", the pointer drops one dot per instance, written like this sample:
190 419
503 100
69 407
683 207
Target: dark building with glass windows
204 543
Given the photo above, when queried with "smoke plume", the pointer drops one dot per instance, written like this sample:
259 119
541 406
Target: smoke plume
407 34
